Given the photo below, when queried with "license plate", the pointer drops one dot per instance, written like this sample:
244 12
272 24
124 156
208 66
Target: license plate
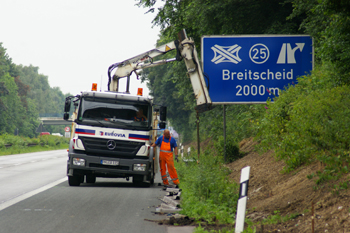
109 162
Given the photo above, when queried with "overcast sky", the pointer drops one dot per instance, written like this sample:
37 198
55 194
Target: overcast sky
73 42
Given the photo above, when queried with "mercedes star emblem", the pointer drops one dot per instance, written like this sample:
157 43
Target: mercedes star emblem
111 144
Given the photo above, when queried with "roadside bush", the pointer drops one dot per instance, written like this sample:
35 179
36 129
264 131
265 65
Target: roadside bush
19 144
240 121
232 149
2 143
35 141
310 122
13 140
206 191
47 140
9 139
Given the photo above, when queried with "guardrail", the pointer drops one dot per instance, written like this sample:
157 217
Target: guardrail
29 144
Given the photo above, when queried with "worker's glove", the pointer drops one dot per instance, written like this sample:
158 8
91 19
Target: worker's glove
176 158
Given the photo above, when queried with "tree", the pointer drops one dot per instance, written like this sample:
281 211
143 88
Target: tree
11 114
24 94
208 17
228 17
328 21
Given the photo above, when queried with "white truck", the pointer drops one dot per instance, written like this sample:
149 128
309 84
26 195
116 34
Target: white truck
112 131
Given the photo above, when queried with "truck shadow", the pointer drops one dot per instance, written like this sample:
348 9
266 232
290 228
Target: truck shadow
109 184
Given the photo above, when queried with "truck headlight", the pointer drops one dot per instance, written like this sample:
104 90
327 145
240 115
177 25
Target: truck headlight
78 162
140 167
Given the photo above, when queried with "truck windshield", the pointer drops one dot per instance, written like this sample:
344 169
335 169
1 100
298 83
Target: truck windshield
114 113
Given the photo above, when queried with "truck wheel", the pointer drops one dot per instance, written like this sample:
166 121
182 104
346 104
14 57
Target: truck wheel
137 180
74 180
152 179
90 179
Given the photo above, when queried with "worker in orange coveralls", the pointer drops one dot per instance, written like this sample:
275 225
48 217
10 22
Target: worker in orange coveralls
167 146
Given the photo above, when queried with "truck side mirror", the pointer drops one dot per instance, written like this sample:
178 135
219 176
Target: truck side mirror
67 105
66 109
162 113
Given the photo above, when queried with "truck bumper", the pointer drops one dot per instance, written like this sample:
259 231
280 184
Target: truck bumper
93 166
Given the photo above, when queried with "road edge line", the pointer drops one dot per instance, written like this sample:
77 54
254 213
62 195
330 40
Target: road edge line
22 197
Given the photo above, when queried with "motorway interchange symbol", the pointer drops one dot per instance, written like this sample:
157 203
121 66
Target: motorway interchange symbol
258 53
226 54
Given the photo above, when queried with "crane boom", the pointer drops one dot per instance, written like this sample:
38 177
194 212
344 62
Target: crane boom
186 51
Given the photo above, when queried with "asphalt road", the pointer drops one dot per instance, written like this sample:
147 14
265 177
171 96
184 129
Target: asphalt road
22 173
110 205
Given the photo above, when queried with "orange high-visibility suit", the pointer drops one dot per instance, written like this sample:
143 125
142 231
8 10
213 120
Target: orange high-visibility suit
166 159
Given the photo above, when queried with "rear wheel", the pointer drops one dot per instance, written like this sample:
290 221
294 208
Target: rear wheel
74 180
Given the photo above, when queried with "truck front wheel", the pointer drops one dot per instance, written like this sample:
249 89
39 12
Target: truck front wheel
151 175
137 180
74 180
90 179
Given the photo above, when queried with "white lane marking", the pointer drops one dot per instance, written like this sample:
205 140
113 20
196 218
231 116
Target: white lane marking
44 210
15 200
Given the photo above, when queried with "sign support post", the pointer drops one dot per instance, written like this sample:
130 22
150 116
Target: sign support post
198 139
224 132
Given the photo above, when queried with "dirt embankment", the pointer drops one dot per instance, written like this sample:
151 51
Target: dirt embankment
271 192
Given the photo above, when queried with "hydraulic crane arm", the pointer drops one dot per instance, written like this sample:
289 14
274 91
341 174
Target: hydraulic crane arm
185 50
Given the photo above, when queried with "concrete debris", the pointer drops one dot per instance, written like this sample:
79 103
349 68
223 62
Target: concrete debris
164 208
175 215
174 197
174 190
173 194
171 201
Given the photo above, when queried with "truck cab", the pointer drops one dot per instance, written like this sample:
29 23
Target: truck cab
111 137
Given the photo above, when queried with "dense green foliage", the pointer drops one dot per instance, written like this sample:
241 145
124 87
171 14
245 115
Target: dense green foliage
170 84
310 122
328 21
24 96
206 192
309 114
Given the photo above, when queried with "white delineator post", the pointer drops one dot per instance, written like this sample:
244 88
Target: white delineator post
242 201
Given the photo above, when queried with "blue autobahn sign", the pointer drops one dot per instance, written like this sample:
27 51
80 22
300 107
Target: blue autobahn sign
251 69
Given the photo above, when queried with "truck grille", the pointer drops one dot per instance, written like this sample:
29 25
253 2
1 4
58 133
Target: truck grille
98 147
108 166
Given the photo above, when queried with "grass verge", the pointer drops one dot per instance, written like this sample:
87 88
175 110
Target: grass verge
19 150
207 194
10 144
